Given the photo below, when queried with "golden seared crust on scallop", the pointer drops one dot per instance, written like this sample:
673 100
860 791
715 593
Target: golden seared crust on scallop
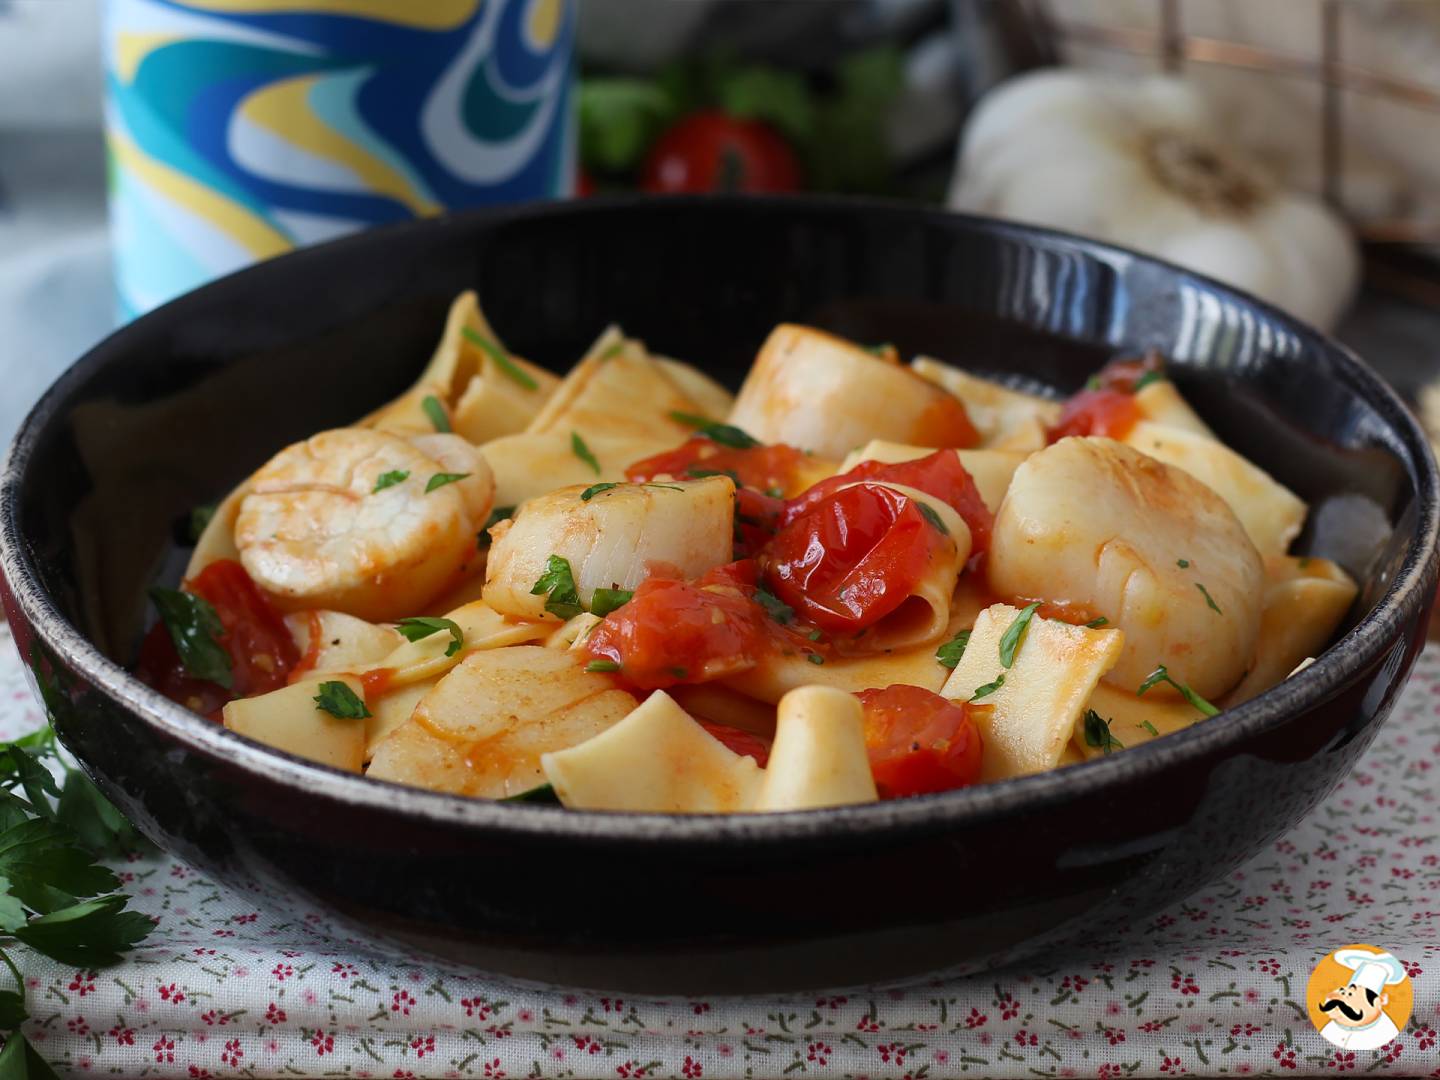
1092 523
314 531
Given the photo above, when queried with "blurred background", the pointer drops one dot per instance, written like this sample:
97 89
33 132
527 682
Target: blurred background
1320 116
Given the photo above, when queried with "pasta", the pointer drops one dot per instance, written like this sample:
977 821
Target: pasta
623 589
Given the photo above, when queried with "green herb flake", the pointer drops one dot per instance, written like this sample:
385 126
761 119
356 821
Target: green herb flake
1183 564
580 450
544 794
1148 378
1095 624
776 608
1093 383
195 628
337 699
607 600
390 479
200 518
1209 600
691 420
729 435
422 627
602 666
1160 674
814 635
930 514
440 479
557 585
697 473
436 412
1097 733
988 689
678 672
815 658
507 366
595 489
879 350
1010 640
613 351
949 654
1148 726
665 487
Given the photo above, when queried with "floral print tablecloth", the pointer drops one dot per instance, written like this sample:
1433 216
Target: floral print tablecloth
1214 986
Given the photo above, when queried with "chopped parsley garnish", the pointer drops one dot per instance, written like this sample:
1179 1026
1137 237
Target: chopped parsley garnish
341 702
436 412
1148 726
440 479
1148 378
503 362
1304 562
1010 640
200 519
1160 674
693 420
1093 383
878 350
678 672
776 608
700 474
557 585
1209 599
195 628
949 654
607 600
390 479
815 658
775 492
580 450
1097 733
422 627
613 351
595 489
545 793
1095 624
499 514
601 666
728 435
988 689
667 487
1183 564
815 635
930 514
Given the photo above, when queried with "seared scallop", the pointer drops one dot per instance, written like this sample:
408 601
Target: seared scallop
1095 525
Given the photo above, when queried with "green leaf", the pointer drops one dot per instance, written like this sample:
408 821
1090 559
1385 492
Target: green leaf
1160 674
815 658
728 435
390 479
850 150
580 450
949 654
200 518
196 630
511 370
930 514
47 869
1146 379
667 487
619 119
436 412
12 913
421 627
440 479
693 420
499 514
18 767
612 351
778 97
21 1061
988 689
1010 640
557 584
90 934
1209 599
545 793
604 601
595 489
92 817
776 608
1183 564
1148 726
12 1012
602 666
337 699
1095 624
1097 733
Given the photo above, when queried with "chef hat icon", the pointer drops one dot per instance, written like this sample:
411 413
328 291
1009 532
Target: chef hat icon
1373 971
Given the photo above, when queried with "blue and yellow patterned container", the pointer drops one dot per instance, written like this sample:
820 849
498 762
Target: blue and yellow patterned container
239 129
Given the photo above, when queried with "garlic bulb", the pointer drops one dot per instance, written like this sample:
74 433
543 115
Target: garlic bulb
1141 162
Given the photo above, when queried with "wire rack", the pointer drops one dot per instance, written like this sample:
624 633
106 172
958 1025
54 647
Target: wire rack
1173 49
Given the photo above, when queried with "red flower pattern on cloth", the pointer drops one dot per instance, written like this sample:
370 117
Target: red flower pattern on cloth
227 986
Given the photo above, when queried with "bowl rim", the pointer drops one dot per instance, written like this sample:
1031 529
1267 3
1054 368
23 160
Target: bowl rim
1362 645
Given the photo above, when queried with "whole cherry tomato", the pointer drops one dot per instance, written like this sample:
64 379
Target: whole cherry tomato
918 742
711 151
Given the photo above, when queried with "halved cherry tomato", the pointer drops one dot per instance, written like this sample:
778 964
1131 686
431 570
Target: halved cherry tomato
940 474
1111 413
262 652
712 151
918 742
745 743
853 557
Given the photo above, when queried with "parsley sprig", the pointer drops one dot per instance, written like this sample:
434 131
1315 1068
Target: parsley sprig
421 627
511 370
949 654
1097 733
1160 674
557 585
195 628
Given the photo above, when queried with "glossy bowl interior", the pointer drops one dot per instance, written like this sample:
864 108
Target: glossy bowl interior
174 409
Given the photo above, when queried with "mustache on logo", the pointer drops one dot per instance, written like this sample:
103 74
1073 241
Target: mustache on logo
1335 1003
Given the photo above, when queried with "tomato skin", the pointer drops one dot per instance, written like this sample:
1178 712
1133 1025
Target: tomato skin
712 151
940 474
1124 375
744 743
262 652
918 742
853 557
1111 413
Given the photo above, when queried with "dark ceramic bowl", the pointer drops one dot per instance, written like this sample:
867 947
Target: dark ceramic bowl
174 409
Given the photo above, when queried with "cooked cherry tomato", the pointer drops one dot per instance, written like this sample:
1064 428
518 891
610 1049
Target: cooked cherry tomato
745 743
1111 413
939 474
918 742
674 631
711 151
853 557
262 652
